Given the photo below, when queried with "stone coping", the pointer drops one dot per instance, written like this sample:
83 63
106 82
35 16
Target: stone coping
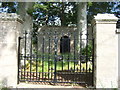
106 17
55 28
11 17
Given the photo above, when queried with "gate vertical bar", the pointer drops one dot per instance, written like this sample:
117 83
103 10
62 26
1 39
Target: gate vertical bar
74 55
49 58
36 56
25 54
74 49
68 52
28 57
55 60
92 57
80 34
31 58
86 57
19 38
43 58
80 49
62 50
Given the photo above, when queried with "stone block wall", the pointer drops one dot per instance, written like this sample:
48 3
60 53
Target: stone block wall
60 31
10 27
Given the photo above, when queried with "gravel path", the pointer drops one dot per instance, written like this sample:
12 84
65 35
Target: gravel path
24 85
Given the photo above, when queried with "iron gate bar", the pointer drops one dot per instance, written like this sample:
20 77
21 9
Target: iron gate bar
28 56
68 74
36 57
62 54
86 56
43 58
92 57
31 56
74 53
80 49
55 60
49 58
25 54
39 73
68 61
68 53
21 65
19 38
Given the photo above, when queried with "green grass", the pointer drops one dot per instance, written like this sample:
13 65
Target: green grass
46 62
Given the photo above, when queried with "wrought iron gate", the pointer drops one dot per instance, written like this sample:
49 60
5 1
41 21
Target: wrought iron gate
56 57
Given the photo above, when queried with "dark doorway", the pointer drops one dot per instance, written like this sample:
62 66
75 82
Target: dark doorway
65 44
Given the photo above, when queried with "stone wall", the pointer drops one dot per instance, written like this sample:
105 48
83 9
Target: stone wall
10 26
60 31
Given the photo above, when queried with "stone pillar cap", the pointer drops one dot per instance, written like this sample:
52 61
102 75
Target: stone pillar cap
106 17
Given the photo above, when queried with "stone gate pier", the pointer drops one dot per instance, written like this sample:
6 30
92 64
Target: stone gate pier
10 26
106 51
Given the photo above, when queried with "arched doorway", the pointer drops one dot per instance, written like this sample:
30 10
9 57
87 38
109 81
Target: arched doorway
65 44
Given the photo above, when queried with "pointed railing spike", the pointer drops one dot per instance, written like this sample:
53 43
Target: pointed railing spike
89 69
83 69
77 69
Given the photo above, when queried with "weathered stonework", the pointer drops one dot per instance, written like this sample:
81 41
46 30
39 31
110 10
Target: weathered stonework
61 31
10 27
106 51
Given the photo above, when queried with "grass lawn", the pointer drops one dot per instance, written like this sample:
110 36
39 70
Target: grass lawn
46 63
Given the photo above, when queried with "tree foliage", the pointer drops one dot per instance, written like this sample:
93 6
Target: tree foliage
62 13
9 7
55 14
98 7
65 14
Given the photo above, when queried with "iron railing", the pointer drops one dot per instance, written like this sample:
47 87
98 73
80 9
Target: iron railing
48 58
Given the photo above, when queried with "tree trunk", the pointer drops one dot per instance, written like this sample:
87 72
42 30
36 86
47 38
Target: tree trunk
28 22
82 23
63 15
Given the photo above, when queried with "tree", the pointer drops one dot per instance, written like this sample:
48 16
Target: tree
9 7
99 7
52 11
82 22
62 13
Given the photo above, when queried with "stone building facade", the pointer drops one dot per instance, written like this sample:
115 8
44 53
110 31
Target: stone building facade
68 33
